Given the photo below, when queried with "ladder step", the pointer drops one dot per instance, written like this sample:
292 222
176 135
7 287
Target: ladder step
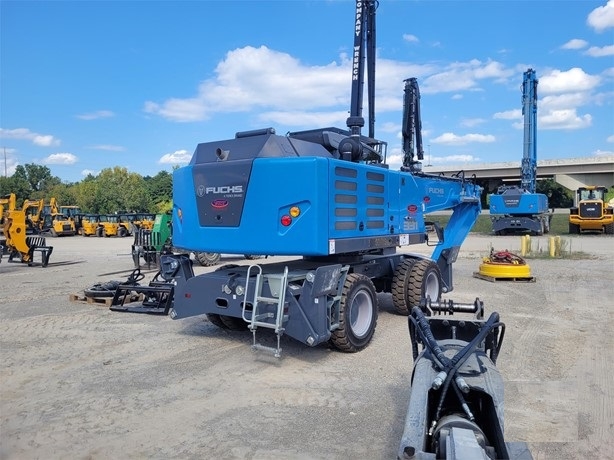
275 351
268 299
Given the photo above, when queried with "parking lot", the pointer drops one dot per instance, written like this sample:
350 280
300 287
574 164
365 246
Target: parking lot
81 381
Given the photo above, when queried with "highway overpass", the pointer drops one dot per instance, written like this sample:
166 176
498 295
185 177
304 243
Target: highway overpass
570 172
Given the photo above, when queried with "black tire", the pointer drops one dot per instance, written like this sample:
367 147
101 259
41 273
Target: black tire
207 259
227 322
424 281
122 232
102 289
609 229
100 232
357 314
400 287
574 229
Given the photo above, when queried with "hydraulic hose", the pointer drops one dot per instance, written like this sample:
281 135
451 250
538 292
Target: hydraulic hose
424 329
459 359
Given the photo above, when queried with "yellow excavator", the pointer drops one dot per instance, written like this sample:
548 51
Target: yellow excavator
33 213
17 243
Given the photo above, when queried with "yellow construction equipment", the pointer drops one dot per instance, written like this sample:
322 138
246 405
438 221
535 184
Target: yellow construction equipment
90 224
55 223
18 244
33 211
113 225
7 203
591 213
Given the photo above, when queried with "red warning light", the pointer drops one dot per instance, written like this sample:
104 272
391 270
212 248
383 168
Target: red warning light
286 220
412 208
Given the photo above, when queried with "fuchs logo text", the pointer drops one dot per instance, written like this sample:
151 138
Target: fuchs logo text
224 189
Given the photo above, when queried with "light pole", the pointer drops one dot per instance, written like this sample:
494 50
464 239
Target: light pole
429 162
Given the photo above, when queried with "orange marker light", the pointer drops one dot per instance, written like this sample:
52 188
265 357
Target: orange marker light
295 211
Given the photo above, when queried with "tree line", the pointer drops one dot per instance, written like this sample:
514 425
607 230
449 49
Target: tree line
112 190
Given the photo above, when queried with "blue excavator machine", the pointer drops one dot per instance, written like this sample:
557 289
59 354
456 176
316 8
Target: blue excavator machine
520 209
327 197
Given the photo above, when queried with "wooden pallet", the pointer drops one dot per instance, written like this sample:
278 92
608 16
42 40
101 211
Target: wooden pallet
492 279
103 301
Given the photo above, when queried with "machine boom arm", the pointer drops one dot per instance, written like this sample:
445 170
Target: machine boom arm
528 169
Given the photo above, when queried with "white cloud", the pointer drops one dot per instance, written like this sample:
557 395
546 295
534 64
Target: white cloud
410 38
610 138
574 44
87 172
460 76
251 77
454 139
96 115
604 153
564 119
602 17
43 140
60 159
285 90
596 51
575 79
176 158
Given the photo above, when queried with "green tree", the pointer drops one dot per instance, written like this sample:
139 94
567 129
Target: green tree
160 188
38 177
558 196
116 189
19 186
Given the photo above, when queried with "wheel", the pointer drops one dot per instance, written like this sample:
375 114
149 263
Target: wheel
100 232
574 229
400 287
424 281
609 229
207 259
122 232
227 322
357 314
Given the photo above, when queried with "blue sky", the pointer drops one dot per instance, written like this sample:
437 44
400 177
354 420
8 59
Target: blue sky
87 85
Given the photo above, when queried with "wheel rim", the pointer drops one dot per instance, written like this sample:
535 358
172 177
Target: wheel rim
431 286
361 313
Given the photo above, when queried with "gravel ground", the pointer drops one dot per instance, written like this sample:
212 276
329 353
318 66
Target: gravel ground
81 381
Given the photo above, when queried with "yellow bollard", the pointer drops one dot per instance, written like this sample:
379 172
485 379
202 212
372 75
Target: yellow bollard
554 244
525 245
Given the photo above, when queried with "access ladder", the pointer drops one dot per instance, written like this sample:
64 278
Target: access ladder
277 285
